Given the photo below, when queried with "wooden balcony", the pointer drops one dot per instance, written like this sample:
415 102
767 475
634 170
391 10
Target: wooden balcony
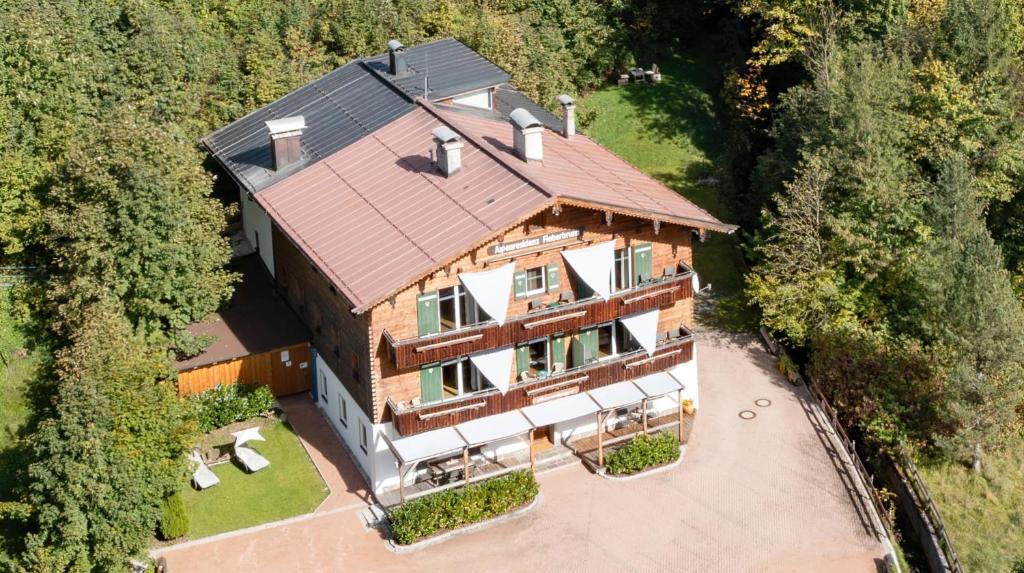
416 352
416 419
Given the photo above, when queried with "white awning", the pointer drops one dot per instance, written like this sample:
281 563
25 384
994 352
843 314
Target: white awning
496 366
428 445
659 384
594 266
560 410
644 328
493 428
617 395
491 289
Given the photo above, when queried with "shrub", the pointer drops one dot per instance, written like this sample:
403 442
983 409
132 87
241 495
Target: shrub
642 452
222 405
452 508
174 521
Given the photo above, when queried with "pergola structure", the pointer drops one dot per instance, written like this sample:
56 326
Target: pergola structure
448 442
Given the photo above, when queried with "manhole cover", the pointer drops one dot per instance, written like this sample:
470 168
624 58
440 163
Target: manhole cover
747 415
763 402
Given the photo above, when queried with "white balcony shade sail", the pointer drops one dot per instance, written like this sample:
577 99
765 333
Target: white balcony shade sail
428 445
617 395
491 290
657 384
495 366
594 266
494 428
644 328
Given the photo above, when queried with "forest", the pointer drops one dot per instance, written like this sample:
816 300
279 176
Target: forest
875 157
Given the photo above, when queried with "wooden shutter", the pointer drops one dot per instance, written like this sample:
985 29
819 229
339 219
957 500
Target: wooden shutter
584 347
553 282
642 270
519 278
430 383
558 349
522 359
426 313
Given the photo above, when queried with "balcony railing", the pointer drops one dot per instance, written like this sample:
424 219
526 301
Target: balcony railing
410 420
660 292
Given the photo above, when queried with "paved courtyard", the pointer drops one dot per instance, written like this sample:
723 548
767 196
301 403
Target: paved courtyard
751 495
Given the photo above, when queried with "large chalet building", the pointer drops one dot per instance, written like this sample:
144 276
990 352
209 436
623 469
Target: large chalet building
482 285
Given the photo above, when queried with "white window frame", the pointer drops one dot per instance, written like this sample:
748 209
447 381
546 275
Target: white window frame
473 310
323 388
543 270
364 441
463 386
547 351
342 410
627 257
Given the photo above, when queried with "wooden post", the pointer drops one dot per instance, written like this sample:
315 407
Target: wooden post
401 482
680 399
600 439
465 466
533 457
643 405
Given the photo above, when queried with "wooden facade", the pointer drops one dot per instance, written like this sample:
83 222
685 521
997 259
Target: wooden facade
418 419
285 370
660 292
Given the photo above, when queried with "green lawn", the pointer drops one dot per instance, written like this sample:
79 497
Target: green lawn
670 131
290 486
984 513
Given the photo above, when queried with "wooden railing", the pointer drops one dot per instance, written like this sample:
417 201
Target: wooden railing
418 351
410 420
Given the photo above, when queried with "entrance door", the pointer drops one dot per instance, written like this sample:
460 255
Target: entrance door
543 439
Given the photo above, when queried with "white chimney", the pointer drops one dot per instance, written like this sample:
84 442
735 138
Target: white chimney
527 135
286 140
396 56
449 150
568 116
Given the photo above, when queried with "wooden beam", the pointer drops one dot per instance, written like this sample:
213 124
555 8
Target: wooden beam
600 440
680 399
533 456
643 404
401 480
608 218
465 465
657 226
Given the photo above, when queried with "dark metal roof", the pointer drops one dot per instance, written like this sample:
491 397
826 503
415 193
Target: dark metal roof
449 66
347 104
509 98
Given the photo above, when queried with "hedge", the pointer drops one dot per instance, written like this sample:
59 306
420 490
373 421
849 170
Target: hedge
642 452
174 521
222 405
454 508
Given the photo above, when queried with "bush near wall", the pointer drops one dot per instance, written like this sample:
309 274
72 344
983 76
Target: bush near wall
454 508
642 452
222 405
174 521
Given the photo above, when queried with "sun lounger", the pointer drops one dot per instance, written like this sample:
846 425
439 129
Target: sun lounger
203 477
248 457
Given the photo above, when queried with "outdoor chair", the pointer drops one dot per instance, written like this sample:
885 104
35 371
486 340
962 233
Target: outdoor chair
250 459
557 367
536 304
663 336
670 271
565 296
203 477
527 376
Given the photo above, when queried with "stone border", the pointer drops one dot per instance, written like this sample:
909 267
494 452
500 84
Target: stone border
393 547
644 473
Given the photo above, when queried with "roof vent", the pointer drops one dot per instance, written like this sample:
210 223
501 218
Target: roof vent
449 150
286 140
396 53
568 116
527 135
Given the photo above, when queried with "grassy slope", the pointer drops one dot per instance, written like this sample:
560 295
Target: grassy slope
670 131
290 486
984 514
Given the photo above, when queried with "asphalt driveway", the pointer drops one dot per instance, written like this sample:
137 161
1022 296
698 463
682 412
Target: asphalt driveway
765 494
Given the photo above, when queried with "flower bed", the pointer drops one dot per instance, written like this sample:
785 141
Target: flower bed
454 508
643 452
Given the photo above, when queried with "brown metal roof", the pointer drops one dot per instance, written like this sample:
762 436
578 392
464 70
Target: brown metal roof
377 215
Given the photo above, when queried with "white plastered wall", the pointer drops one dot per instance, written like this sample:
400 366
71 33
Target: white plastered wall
327 384
256 223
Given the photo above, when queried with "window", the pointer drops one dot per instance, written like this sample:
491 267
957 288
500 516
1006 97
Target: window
458 378
457 309
364 440
535 281
343 418
605 340
622 277
533 359
323 387
624 341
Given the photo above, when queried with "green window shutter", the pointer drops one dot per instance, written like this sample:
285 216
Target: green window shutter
558 348
522 359
553 282
520 283
426 313
642 270
584 348
430 383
